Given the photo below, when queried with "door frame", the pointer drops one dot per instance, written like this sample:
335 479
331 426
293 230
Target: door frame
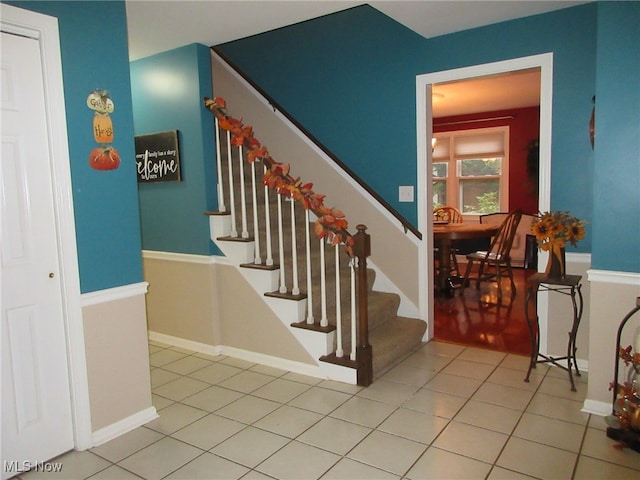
44 28
424 121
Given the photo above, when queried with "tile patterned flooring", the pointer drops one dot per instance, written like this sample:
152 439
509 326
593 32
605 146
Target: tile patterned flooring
446 412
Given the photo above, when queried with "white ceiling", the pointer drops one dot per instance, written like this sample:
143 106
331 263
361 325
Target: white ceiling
484 94
156 26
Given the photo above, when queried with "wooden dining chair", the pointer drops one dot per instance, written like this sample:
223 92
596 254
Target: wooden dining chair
447 214
495 263
450 215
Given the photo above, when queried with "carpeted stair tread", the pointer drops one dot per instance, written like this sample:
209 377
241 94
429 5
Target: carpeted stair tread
395 340
383 307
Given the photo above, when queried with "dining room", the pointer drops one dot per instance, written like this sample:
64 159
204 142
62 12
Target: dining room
478 300
485 157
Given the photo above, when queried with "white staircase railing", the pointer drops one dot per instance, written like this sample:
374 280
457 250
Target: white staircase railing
295 261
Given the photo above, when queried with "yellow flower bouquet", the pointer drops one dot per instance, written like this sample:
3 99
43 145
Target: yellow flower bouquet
557 228
553 230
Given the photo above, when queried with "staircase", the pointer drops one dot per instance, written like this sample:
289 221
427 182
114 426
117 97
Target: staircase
276 230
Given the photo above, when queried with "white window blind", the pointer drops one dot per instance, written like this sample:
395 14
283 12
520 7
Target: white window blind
470 170
490 143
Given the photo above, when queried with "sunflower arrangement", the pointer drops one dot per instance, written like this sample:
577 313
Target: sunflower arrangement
554 229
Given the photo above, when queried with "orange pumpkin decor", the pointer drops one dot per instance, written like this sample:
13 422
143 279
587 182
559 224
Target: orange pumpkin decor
99 101
102 128
104 158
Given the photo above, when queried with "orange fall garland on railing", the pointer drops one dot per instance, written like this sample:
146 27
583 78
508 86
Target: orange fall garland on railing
330 224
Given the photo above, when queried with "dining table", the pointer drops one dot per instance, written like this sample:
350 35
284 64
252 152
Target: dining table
445 234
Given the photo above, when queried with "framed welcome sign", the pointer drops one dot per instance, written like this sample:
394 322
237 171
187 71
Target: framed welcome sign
158 157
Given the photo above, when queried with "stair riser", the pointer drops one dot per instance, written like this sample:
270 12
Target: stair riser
240 252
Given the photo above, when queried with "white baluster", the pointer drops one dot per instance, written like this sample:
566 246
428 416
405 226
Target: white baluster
354 318
267 221
324 321
309 279
221 205
232 200
256 230
283 285
294 250
243 203
339 351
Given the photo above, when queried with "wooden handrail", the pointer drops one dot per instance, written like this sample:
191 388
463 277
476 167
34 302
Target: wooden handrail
403 221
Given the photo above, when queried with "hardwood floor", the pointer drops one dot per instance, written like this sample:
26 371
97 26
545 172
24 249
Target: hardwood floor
476 318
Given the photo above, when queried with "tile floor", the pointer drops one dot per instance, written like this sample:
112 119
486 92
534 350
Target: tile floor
446 412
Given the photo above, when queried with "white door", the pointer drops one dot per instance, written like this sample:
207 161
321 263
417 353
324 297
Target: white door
36 402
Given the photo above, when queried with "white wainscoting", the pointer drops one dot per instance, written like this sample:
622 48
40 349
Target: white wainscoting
613 295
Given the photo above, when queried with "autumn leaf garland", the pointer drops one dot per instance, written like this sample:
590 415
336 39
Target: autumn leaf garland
330 224
628 400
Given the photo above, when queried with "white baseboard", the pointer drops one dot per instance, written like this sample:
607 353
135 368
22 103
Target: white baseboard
184 343
123 426
596 407
583 365
275 362
254 357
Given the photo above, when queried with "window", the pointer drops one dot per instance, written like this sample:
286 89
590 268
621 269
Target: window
470 170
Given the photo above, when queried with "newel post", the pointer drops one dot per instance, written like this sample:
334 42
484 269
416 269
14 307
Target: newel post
364 354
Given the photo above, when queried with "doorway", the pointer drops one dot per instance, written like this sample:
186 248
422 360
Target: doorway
424 111
44 386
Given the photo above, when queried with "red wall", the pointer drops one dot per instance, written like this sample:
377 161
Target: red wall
523 127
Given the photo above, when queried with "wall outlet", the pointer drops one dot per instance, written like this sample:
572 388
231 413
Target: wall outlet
405 193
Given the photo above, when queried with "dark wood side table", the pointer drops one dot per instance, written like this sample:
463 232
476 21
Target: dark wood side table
570 286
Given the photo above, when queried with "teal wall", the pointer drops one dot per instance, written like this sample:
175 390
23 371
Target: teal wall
574 63
616 204
93 38
349 78
167 95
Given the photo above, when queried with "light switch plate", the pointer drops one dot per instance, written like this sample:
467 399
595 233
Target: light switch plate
405 193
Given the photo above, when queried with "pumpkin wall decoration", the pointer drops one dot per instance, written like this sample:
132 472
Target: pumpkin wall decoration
105 156
102 128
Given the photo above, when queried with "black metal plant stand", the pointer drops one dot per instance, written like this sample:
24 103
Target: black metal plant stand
628 437
568 285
